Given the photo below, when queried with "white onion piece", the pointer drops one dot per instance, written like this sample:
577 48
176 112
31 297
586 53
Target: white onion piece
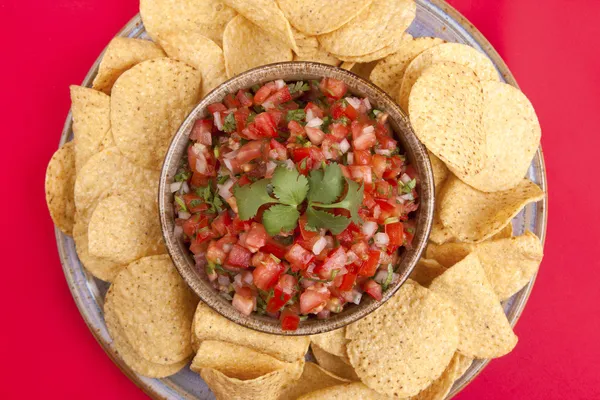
405 178
369 228
218 120
381 239
383 152
368 129
309 115
289 164
279 84
184 214
356 298
225 189
350 158
319 245
314 123
367 103
344 146
227 247
175 186
315 135
351 257
178 231
185 188
270 169
237 281
354 102
228 164
268 105
381 276
400 199
247 277
407 197
230 155
306 283
224 280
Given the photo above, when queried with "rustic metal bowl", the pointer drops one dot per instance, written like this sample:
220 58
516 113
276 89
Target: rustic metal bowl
291 71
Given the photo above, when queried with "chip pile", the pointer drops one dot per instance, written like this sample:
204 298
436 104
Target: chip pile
481 135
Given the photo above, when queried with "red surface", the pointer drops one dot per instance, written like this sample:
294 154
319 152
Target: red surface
552 49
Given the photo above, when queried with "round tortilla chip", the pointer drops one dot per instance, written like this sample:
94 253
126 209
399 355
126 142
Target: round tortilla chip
504 233
356 390
474 216
128 353
234 361
440 171
316 17
513 136
148 104
333 342
446 106
313 378
246 46
426 271
374 28
206 17
155 308
381 53
403 346
121 54
347 65
484 330
446 52
440 388
266 15
126 227
201 53
210 325
388 73
364 69
91 122
339 366
60 187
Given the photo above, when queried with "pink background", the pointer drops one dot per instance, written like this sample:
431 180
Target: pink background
551 47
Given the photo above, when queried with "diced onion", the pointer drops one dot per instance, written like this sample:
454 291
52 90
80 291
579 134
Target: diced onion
407 197
383 152
224 280
218 120
185 188
400 199
227 163
279 84
178 231
319 245
237 281
367 103
184 214
376 211
344 146
354 102
175 186
368 129
381 239
369 228
306 283
315 123
381 275
309 115
225 189
227 247
356 298
270 169
405 178
290 164
247 277
268 105
350 158
351 257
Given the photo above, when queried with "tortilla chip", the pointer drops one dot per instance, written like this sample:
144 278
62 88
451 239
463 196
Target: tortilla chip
108 141
439 233
440 388
91 122
149 103
440 171
374 28
347 65
128 354
245 46
446 105
513 136
474 216
484 330
389 72
201 53
336 365
316 17
266 387
209 325
126 227
234 361
364 69
266 15
448 254
381 53
464 363
120 55
356 390
206 17
403 346
310 50
505 233
446 52
426 271
155 307
333 342
313 378
59 187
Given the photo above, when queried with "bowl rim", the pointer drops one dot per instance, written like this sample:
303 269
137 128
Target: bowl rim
413 148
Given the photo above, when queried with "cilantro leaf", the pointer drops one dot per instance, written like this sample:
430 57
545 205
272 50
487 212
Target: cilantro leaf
249 198
289 186
295 115
183 176
229 123
326 186
181 203
299 86
322 219
351 202
279 218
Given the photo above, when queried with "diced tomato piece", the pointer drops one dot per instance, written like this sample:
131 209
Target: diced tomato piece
245 98
395 232
264 92
333 88
335 261
298 257
194 203
278 151
305 233
313 299
379 164
296 129
369 266
244 301
373 289
266 275
231 101
241 116
201 160
216 107
221 224
361 173
199 180
362 157
194 223
278 117
265 124
394 167
274 247
283 291
300 154
349 279
409 233
256 237
316 111
383 190
202 132
411 172
349 234
341 109
315 135
239 257
250 151
365 141
339 131
289 320
198 248
215 253
281 96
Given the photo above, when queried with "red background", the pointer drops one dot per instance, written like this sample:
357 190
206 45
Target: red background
551 47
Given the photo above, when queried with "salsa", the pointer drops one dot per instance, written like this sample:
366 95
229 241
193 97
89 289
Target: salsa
295 199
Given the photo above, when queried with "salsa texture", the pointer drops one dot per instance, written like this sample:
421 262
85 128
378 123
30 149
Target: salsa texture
295 199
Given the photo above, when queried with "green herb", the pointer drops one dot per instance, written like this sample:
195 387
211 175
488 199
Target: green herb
183 176
374 113
289 186
351 201
222 270
210 268
258 109
223 179
326 122
217 151
251 197
389 277
317 219
195 203
296 115
280 217
181 203
409 186
255 88
326 186
277 260
334 274
251 117
343 120
390 220
299 86
303 317
229 124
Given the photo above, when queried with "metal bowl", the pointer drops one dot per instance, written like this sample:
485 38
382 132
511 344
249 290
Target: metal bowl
296 71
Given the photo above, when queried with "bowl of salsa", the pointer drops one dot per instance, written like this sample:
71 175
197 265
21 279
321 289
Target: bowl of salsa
295 198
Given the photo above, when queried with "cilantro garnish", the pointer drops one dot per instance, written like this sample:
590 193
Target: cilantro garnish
280 217
251 117
388 279
295 115
210 198
351 202
183 176
322 219
326 122
298 87
289 186
229 123
343 120
251 197
325 185
409 186
181 203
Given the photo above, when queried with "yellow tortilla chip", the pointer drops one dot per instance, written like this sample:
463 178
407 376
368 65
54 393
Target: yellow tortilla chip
336 365
129 355
266 15
446 105
333 342
234 361
440 171
446 52
91 122
155 308
439 233
513 136
201 53
126 227
316 17
426 271
484 330
120 55
59 187
388 73
474 216
245 46
504 233
381 53
403 346
209 325
374 28
356 390
206 17
347 65
364 69
148 104
313 378
440 388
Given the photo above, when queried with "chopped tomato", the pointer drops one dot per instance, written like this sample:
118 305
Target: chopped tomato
216 107
383 190
199 180
394 167
339 131
306 234
289 320
341 109
373 289
194 223
313 299
395 232
215 253
296 129
202 132
244 301
194 203
256 238
349 279
250 151
369 266
298 257
333 88
274 247
245 98
283 291
200 160
334 262
362 157
221 224
315 110
281 96
241 116
363 140
266 275
265 125
264 92
278 151
239 257
231 101
315 135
